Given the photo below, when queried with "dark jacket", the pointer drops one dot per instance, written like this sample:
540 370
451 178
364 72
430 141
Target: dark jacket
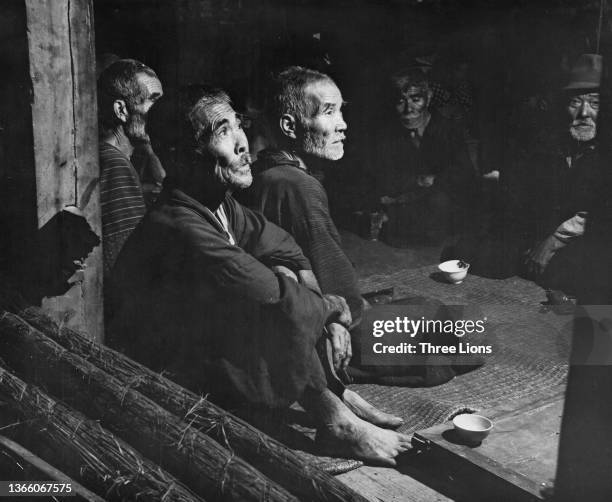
542 191
397 162
291 197
212 314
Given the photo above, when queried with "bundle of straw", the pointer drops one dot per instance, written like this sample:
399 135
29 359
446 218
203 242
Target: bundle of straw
90 453
200 462
265 453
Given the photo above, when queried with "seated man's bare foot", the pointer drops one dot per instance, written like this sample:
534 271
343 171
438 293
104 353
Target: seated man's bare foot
341 433
360 407
356 438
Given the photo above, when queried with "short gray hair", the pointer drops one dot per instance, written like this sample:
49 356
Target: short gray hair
288 94
119 80
198 117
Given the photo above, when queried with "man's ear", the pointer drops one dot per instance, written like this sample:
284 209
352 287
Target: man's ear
429 96
288 125
120 110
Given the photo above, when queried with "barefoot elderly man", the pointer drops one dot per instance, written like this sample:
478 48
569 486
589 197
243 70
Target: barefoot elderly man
225 301
306 110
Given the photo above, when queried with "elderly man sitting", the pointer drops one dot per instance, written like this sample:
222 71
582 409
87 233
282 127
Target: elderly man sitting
558 190
306 108
225 300
424 176
549 196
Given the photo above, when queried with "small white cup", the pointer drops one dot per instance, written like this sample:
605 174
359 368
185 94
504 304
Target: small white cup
472 428
453 273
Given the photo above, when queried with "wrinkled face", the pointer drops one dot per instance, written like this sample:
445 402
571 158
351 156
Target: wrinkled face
412 105
322 134
583 110
135 127
228 146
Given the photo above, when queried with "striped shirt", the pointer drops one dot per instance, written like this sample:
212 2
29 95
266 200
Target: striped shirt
121 199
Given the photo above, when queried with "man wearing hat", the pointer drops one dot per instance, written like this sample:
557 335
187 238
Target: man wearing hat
553 193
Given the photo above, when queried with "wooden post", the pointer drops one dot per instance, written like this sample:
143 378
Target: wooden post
64 123
585 444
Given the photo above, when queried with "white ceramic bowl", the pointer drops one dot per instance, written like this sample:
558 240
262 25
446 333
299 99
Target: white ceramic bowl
472 428
453 273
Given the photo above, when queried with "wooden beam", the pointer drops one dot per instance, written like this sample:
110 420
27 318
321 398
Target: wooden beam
272 458
210 470
82 449
64 123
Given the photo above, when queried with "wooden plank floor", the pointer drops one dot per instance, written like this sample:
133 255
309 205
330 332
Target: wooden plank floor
383 484
413 480
416 480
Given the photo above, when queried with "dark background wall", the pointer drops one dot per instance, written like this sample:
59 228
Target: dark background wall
18 212
515 49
